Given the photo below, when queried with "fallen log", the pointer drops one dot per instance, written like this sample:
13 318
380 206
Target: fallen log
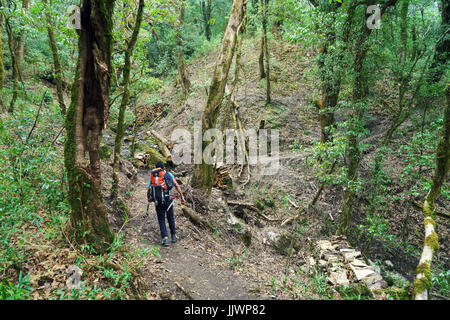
252 207
162 145
290 219
240 226
161 138
196 220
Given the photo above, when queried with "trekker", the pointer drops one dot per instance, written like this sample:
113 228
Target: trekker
160 192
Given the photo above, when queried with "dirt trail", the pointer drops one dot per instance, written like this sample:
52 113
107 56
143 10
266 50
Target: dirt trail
188 264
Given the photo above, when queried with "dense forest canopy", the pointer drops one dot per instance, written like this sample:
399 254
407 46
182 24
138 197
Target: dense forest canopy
357 94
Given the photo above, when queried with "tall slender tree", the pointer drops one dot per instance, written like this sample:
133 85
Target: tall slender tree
2 67
266 50
14 62
204 173
125 98
182 74
21 38
206 7
422 282
56 60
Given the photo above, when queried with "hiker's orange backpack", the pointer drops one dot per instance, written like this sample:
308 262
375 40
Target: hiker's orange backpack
159 188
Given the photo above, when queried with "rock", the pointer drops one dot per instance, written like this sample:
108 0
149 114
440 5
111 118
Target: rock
273 236
331 258
376 268
375 282
322 263
338 277
325 245
351 255
389 263
361 273
359 263
282 241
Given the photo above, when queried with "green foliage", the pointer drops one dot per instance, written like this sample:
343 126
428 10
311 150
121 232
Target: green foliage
326 156
19 291
32 196
237 259
320 285
441 283
119 278
357 291
419 161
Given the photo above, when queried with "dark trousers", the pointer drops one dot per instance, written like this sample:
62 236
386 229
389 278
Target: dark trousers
161 212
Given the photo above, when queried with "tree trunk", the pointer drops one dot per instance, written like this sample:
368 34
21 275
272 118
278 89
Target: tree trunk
422 282
2 68
204 174
266 51
329 74
206 7
21 39
182 74
56 62
443 45
262 71
125 98
85 121
14 65
353 151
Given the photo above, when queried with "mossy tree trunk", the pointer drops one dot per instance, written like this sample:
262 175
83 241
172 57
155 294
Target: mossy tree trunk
14 64
353 151
182 74
2 67
21 39
125 98
442 46
204 173
330 82
56 61
266 51
422 282
329 64
85 121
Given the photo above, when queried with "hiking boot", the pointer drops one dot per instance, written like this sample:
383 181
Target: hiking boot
174 238
165 241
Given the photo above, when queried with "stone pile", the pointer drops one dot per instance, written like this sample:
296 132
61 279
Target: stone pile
345 265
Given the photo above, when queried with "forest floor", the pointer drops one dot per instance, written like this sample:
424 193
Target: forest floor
205 265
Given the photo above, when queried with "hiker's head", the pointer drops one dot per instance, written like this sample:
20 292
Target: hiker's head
160 165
